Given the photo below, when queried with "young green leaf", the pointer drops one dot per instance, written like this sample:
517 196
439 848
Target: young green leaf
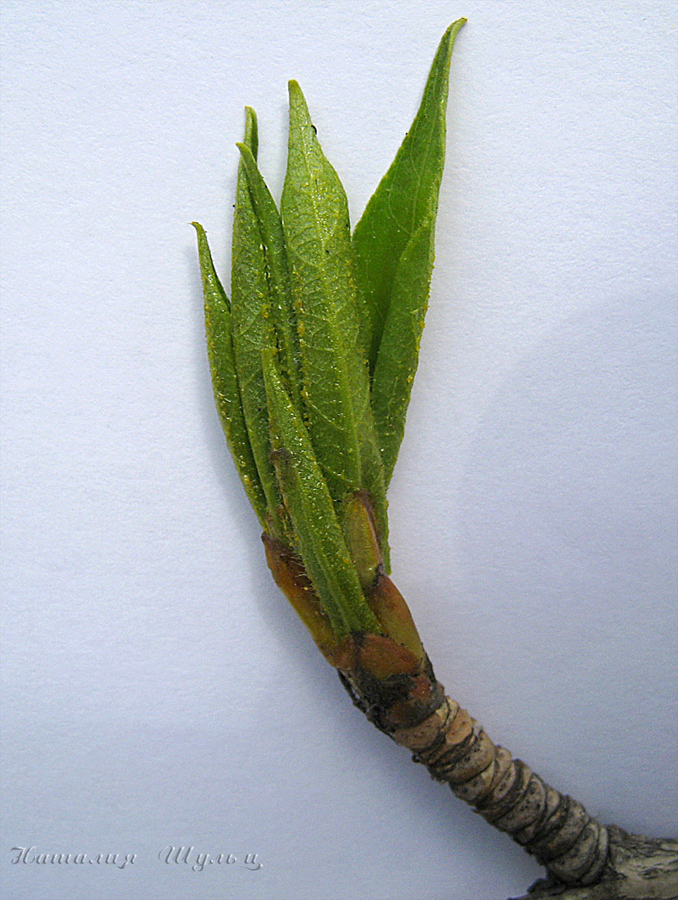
386 249
317 534
284 317
399 353
224 378
253 329
315 219
335 380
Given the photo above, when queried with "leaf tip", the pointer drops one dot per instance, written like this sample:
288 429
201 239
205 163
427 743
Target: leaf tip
251 138
453 30
296 95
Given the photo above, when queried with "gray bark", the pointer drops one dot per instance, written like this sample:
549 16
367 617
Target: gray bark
584 859
638 868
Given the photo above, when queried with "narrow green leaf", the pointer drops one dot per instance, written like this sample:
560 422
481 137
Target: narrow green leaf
405 200
273 240
317 534
224 379
315 219
399 349
335 379
406 196
252 325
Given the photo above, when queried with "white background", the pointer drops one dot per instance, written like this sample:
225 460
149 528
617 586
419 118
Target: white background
157 688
